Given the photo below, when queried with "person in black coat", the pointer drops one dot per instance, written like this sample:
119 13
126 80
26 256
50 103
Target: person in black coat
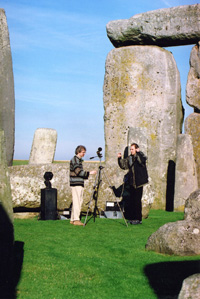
136 178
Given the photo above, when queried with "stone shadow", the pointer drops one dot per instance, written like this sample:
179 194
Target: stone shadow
11 258
166 278
170 186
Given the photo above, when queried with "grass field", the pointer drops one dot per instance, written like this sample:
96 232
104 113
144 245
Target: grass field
104 259
20 162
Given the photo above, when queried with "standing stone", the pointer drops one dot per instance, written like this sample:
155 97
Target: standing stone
6 225
139 136
166 27
43 146
193 81
141 92
7 98
192 127
186 175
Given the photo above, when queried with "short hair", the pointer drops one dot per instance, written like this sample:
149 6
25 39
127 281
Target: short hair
79 149
135 144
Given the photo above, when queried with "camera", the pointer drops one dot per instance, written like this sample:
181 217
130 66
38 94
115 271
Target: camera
99 152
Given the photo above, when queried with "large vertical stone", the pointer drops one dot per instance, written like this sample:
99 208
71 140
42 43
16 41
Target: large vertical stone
43 146
7 99
193 81
192 127
186 175
142 90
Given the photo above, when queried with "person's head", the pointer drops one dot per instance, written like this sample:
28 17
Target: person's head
80 151
133 148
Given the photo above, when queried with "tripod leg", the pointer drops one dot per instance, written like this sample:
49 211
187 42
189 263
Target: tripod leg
94 195
116 200
91 198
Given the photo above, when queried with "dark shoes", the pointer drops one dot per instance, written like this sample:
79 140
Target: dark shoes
134 222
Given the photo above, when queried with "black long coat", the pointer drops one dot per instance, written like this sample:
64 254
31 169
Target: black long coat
137 175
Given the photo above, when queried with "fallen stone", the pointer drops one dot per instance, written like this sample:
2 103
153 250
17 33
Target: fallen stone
43 146
166 27
177 238
185 174
193 81
190 288
180 237
192 207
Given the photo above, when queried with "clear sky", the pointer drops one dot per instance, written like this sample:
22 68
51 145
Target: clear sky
59 49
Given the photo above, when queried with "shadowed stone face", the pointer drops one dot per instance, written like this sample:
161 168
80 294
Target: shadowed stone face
192 127
193 81
7 100
163 27
142 90
186 174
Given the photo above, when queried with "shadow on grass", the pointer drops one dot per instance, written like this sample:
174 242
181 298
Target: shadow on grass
18 262
166 278
11 257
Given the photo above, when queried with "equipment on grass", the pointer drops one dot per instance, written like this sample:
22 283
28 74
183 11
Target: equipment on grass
95 191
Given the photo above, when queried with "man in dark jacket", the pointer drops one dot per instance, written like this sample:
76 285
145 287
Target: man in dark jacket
137 177
77 177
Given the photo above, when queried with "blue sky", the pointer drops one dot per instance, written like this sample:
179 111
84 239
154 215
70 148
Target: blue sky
59 50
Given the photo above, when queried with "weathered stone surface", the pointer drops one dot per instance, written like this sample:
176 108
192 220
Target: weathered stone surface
27 181
193 81
186 175
141 92
192 207
190 288
7 98
43 146
166 27
192 127
181 237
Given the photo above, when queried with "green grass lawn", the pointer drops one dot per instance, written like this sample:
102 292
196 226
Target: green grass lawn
20 162
104 259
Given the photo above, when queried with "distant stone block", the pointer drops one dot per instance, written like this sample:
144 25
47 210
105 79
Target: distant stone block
43 146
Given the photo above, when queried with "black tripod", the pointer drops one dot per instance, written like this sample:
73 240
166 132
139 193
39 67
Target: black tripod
95 193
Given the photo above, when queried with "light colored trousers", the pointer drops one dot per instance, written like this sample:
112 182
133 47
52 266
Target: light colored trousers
77 200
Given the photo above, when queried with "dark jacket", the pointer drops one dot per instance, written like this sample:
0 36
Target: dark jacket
137 175
77 174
